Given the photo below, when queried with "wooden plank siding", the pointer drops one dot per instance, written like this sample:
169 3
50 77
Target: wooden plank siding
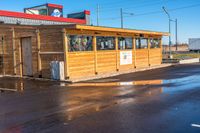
155 56
81 64
106 61
51 40
142 58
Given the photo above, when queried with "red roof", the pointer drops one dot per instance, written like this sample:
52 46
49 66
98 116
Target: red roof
41 17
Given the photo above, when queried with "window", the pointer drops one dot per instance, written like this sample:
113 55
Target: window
105 43
141 43
80 43
125 43
155 43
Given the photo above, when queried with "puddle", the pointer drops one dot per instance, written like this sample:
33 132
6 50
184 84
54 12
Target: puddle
182 84
129 83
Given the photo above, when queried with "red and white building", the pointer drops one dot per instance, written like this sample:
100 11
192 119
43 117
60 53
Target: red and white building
47 14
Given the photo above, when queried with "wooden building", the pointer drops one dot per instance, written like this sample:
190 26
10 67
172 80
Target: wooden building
87 51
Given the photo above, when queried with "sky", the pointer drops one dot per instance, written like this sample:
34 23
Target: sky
138 14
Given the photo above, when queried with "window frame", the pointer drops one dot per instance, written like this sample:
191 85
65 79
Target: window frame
159 43
114 45
140 38
69 46
119 46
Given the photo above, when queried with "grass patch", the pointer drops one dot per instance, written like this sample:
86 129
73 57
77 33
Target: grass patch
180 56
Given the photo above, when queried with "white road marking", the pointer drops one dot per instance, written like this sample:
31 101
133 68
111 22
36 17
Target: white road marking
195 125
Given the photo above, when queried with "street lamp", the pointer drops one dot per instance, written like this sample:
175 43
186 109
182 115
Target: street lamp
122 17
170 52
176 29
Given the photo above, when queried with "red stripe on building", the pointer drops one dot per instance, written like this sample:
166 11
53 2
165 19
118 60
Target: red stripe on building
40 17
87 12
55 5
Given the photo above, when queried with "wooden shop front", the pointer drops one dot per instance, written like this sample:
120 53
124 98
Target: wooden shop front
87 51
102 50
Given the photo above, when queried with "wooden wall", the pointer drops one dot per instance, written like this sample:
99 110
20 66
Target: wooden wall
106 61
142 58
13 64
155 56
51 48
7 50
81 64
23 33
50 41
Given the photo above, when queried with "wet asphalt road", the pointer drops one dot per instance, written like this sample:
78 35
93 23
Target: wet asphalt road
164 100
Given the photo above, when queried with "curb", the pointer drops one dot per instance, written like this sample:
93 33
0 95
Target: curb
189 61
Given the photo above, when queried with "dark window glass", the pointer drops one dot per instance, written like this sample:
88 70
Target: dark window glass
125 43
43 11
141 43
79 43
155 43
105 43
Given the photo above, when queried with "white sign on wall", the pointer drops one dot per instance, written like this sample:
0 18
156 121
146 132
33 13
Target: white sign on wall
126 57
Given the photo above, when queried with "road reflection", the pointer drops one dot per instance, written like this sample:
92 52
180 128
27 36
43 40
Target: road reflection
16 86
52 103
85 98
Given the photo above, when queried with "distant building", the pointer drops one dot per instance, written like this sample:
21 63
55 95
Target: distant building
47 14
194 44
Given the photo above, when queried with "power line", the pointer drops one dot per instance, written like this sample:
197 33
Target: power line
155 12
150 3
127 3
119 5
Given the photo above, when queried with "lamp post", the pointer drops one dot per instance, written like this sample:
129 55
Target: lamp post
176 21
122 17
176 30
170 52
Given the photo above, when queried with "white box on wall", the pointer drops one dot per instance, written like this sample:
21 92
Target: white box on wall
57 70
126 58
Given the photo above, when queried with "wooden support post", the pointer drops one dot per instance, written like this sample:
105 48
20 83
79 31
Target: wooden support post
134 52
117 53
65 48
161 51
95 54
39 61
14 52
20 60
149 48
3 60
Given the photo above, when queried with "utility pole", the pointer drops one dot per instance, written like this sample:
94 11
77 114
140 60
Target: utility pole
176 32
170 52
122 18
98 15
176 21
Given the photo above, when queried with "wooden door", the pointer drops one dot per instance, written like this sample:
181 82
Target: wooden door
27 56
